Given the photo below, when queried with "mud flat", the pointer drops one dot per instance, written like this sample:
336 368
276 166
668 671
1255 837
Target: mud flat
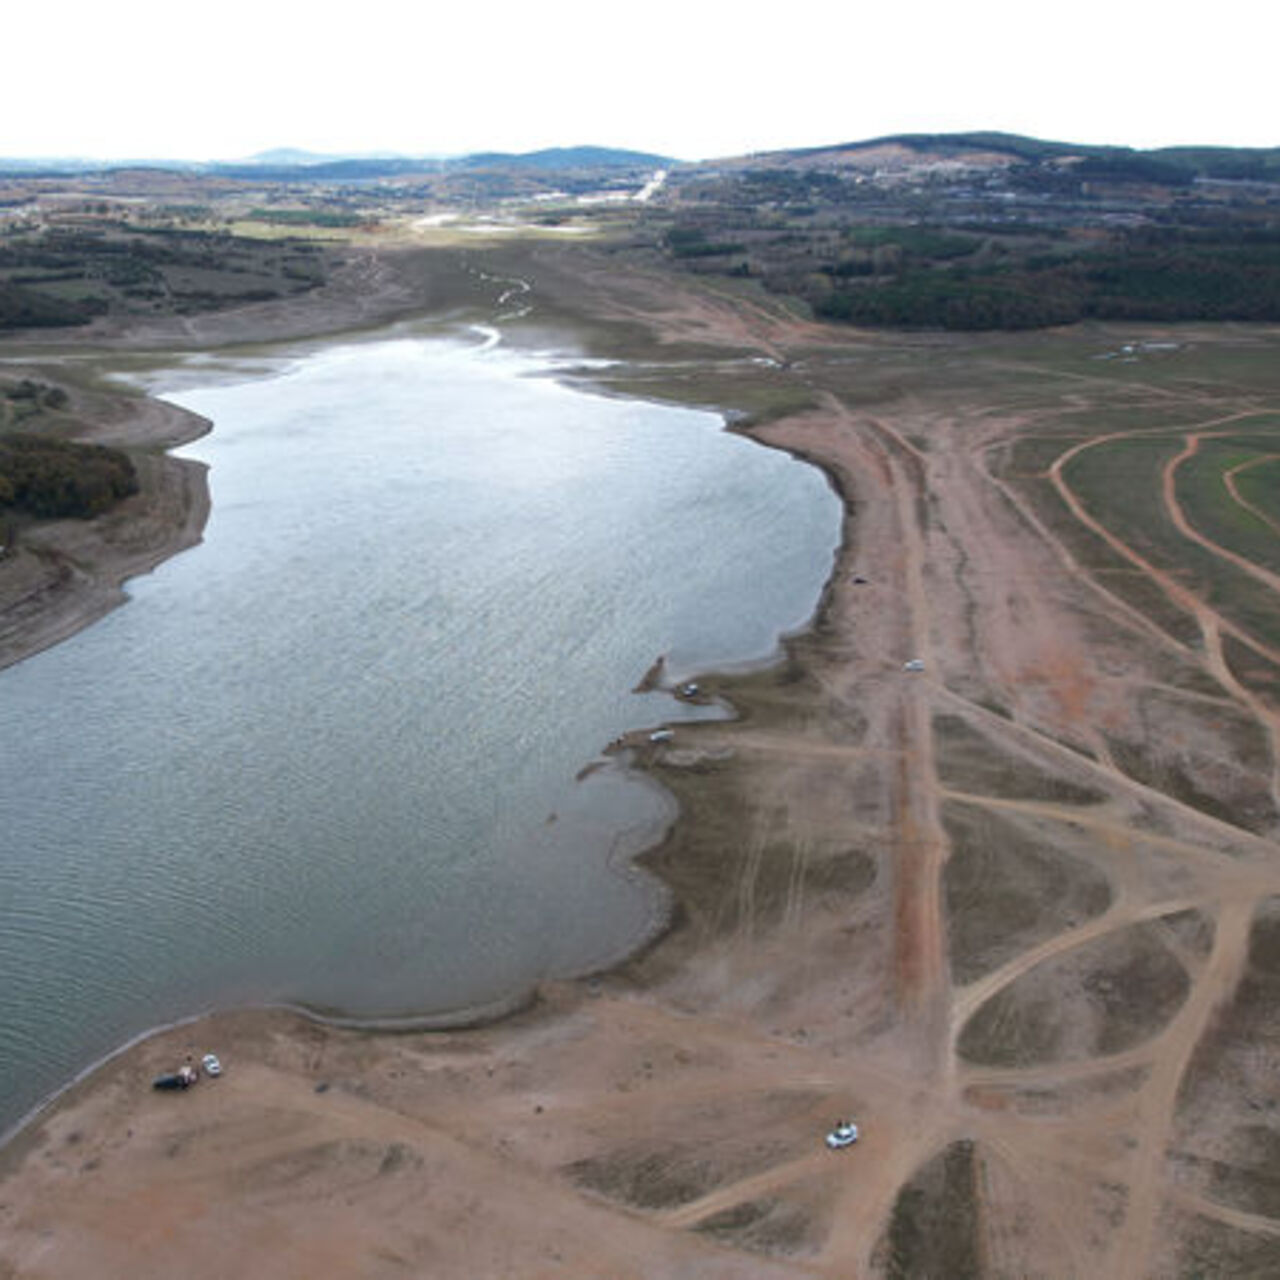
1014 911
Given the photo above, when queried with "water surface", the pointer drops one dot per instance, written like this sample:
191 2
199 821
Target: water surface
329 755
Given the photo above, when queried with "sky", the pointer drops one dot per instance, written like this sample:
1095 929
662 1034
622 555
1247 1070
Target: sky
693 79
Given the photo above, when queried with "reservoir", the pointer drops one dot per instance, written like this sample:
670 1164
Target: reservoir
330 756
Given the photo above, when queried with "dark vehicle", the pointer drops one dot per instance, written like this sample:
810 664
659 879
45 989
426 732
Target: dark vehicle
183 1078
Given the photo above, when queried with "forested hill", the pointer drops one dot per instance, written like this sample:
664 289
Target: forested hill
989 230
1179 164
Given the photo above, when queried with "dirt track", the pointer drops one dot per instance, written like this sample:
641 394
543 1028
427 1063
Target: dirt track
978 906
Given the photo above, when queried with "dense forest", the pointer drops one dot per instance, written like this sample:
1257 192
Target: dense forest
1147 276
25 308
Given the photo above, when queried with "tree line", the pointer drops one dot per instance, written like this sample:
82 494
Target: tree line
1158 278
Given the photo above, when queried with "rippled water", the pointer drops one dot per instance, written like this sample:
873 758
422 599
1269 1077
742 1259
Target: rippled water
329 755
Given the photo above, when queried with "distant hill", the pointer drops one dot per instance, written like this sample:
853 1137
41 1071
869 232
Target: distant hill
994 150
319 168
1171 165
563 158
289 164
294 157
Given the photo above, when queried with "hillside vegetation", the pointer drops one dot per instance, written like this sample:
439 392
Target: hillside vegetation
61 272
989 231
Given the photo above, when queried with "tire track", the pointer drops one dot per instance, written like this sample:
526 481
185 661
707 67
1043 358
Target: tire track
1210 622
971 997
1229 480
1158 1098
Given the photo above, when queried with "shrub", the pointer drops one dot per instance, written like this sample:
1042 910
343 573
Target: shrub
55 478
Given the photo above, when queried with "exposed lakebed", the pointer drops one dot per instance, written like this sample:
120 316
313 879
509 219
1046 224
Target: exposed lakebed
328 757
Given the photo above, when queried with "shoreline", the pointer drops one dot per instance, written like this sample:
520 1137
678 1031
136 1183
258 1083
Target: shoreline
461 1018
155 424
62 576
68 574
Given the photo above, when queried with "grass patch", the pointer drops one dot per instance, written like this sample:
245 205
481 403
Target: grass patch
647 1179
935 1229
1031 456
1212 510
1006 890
1103 997
715 1148
968 760
1260 485
1252 670
1236 1065
1119 483
1193 930
770 1227
1182 780
1111 570
1209 1250
1251 1181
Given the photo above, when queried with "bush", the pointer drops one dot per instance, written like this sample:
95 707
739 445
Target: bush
24 308
54 478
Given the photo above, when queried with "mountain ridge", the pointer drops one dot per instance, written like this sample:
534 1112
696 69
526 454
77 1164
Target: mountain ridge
1185 162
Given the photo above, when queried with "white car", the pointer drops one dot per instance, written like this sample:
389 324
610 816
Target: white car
916 664
211 1065
845 1134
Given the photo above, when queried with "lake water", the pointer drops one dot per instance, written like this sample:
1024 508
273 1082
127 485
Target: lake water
328 757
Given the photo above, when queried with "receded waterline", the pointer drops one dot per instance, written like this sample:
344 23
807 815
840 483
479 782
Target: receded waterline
328 757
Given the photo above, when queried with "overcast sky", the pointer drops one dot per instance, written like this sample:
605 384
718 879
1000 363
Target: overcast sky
688 78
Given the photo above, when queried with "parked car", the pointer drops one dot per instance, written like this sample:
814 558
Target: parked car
211 1065
845 1134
